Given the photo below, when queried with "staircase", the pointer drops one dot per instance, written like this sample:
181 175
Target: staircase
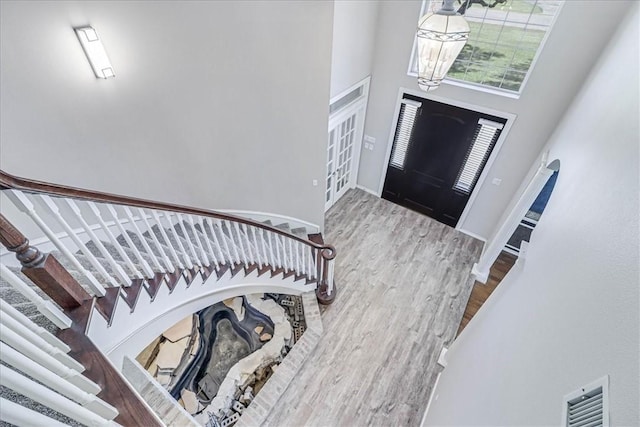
111 274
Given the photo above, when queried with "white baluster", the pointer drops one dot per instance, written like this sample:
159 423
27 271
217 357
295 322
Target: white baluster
245 233
211 253
266 247
36 354
243 254
125 235
17 415
291 254
24 204
114 241
50 398
55 382
283 249
39 342
10 325
233 243
268 250
165 237
7 310
217 243
274 237
251 234
303 260
330 277
156 242
143 240
124 277
192 249
198 243
55 211
176 236
261 260
47 308
312 270
319 264
296 247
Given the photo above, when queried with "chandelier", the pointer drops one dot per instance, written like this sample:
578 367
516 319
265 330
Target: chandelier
441 37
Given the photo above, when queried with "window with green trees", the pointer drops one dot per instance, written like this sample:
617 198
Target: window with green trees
504 42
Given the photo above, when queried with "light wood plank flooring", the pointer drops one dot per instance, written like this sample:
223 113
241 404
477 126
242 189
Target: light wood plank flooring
403 285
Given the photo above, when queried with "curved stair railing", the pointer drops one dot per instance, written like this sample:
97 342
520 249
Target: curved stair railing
103 248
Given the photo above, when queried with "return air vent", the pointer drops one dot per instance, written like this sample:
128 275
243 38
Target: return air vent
588 406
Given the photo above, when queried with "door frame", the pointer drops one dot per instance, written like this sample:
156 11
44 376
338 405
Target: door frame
360 103
509 117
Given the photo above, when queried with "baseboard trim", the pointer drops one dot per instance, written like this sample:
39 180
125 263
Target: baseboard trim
442 359
367 190
472 234
433 393
481 276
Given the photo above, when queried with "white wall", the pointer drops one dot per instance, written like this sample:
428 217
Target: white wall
354 33
570 52
571 315
215 104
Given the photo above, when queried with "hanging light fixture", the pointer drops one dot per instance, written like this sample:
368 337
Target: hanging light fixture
441 37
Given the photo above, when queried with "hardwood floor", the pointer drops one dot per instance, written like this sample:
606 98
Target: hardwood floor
403 283
481 292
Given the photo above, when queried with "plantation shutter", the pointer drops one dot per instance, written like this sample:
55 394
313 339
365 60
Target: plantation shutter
404 129
485 137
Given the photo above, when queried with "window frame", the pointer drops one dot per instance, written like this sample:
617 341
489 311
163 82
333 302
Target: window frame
412 69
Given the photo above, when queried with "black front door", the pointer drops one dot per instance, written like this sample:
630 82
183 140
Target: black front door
439 145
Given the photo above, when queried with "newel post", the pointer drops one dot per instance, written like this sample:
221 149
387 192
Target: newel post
326 290
43 269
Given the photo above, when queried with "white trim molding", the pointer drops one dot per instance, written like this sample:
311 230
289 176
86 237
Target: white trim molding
504 231
367 190
472 234
357 106
431 399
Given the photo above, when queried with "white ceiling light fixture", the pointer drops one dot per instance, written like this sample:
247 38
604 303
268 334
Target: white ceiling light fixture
441 37
93 48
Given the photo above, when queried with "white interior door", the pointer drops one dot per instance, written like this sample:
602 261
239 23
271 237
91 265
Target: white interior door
342 148
346 127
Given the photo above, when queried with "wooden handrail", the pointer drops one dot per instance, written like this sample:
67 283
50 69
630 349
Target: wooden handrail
8 181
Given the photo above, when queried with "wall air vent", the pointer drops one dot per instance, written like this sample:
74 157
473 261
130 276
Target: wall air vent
588 406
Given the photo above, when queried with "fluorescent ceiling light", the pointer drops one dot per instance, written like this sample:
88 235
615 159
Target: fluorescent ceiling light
95 52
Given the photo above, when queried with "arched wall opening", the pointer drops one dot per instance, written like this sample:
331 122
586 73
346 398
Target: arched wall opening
524 230
505 231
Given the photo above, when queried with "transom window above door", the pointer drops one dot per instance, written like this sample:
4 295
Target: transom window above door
503 45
